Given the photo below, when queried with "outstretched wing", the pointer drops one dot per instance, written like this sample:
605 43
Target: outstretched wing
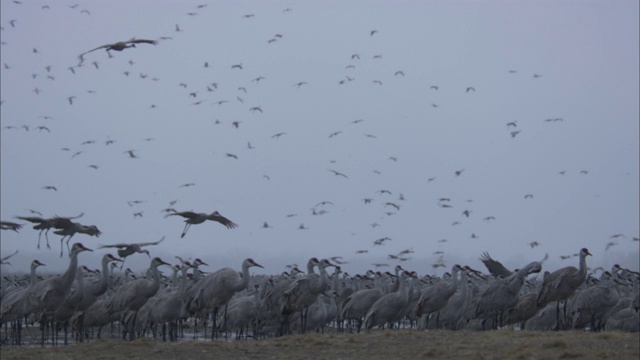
223 220
185 214
151 243
122 245
141 41
495 267
32 219
81 56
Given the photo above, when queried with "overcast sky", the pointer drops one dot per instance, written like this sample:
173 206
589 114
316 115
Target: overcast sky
434 85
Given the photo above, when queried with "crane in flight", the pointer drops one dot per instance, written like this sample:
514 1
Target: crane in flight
125 250
119 46
198 218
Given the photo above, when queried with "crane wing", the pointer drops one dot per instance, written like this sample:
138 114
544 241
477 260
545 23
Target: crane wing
495 267
122 245
32 219
151 243
139 41
224 221
185 214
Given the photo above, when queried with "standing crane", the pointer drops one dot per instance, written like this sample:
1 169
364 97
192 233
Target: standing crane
92 292
436 296
561 284
198 218
215 290
13 306
133 295
125 250
304 291
502 294
390 307
45 296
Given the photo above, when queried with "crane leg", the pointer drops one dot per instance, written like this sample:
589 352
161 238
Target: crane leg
46 235
184 232
61 248
39 236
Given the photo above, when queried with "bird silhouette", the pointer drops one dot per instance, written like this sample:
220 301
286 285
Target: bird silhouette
119 46
336 173
198 218
126 249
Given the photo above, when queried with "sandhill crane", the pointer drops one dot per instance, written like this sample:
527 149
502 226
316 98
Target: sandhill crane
125 250
93 291
436 296
218 288
242 311
69 228
495 267
199 218
591 304
69 305
8 225
44 224
562 283
356 305
168 307
502 294
119 46
390 307
303 292
45 296
13 306
132 295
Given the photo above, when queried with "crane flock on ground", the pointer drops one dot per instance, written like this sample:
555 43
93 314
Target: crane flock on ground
189 303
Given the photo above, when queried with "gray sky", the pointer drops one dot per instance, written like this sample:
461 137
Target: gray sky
585 53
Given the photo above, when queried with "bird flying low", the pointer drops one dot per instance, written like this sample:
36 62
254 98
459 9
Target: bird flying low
119 46
198 218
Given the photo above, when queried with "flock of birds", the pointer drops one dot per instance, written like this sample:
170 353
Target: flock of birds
156 305
295 301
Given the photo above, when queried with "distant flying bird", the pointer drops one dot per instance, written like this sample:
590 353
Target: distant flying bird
119 46
237 66
300 83
199 218
513 123
399 72
256 108
533 244
610 244
514 133
355 56
42 127
488 218
131 154
70 99
528 196
471 88
535 76
372 32
585 172
338 173
615 236
335 133
459 172
93 166
49 187
362 251
381 241
232 155
277 136
434 87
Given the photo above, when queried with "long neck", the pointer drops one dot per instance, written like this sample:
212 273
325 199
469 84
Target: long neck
244 281
104 281
155 283
582 271
33 278
70 274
